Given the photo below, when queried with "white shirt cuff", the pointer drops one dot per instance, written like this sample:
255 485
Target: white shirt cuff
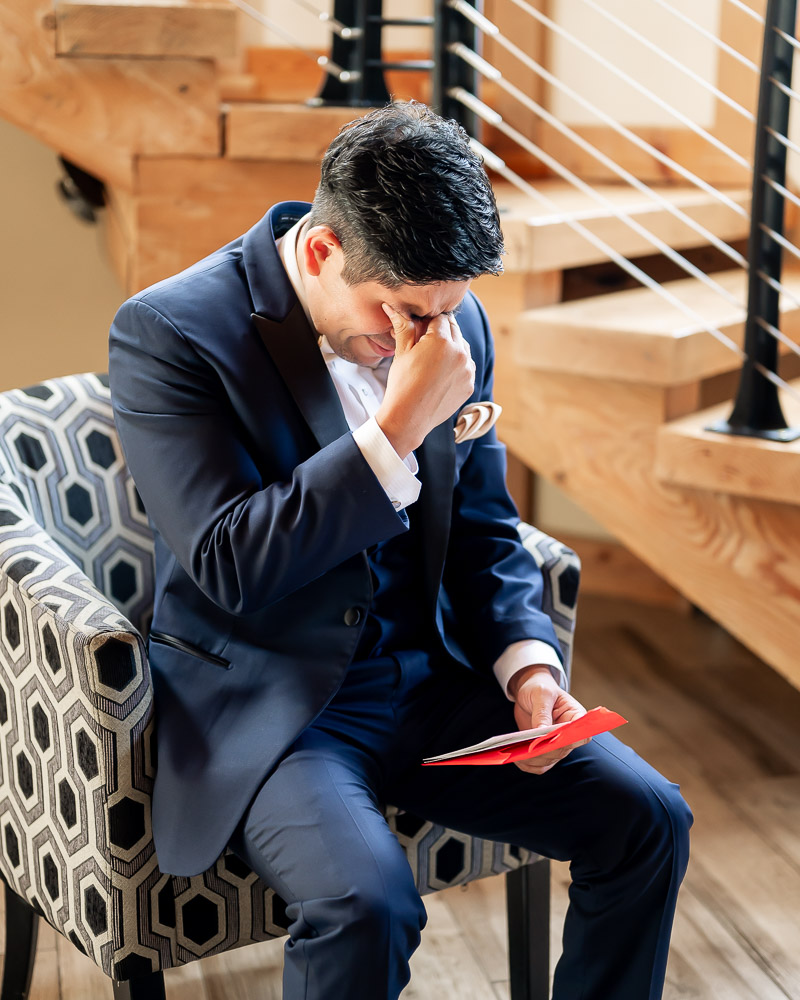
401 485
528 653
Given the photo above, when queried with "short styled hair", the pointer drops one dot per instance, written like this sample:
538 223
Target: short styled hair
408 200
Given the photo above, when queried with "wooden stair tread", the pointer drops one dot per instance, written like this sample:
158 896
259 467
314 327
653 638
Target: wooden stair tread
261 130
145 28
689 455
638 336
539 238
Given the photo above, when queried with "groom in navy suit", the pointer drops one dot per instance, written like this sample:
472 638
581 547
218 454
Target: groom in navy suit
340 586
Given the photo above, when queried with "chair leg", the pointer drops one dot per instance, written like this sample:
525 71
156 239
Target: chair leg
142 988
528 907
22 929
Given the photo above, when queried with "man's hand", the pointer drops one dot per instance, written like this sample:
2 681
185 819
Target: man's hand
539 701
431 376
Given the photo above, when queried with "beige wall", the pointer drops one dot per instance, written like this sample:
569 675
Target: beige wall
612 94
58 294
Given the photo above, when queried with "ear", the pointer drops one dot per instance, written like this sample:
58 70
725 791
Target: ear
320 247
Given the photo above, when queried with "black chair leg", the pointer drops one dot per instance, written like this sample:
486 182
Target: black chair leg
142 988
22 929
528 907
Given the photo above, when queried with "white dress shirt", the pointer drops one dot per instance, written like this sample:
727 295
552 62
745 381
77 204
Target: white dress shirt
361 390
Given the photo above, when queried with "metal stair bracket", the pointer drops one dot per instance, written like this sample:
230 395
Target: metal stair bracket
757 409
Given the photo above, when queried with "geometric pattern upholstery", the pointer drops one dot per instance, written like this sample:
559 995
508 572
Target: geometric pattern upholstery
76 706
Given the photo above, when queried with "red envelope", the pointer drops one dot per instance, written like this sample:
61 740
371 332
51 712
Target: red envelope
598 720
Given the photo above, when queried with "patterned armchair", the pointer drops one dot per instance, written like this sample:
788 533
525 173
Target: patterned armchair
76 726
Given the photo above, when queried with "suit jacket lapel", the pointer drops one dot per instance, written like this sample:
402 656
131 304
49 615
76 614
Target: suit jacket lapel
437 459
293 347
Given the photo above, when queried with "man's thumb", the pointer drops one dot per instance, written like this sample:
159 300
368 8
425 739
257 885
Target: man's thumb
403 330
541 717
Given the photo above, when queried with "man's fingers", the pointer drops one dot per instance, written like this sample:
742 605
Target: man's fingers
539 765
404 331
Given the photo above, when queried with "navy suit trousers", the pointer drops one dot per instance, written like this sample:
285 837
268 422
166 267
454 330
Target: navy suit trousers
315 832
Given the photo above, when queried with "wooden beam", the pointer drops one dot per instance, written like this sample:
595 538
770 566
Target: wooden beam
638 336
285 74
611 570
188 207
539 237
101 113
505 296
689 455
262 131
165 28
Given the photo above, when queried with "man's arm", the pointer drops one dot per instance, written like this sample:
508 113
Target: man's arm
244 542
493 582
495 585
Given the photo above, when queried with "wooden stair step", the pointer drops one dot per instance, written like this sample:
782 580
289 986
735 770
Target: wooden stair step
689 455
539 238
153 28
638 336
260 130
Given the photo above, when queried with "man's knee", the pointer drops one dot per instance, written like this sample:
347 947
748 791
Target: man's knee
652 824
380 915
385 908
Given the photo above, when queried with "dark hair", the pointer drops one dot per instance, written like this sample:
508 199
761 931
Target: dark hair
408 200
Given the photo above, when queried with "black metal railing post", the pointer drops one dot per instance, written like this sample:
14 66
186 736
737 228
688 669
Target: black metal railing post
450 71
757 409
359 54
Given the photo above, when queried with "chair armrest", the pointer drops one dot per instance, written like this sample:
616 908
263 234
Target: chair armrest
561 570
75 773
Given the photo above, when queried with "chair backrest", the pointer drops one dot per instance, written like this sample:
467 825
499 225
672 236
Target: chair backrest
60 454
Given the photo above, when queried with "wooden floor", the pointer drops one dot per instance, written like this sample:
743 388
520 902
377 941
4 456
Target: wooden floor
707 714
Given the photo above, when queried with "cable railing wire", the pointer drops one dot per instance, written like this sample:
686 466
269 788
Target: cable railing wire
784 140
747 10
783 191
784 89
780 240
487 26
329 21
709 35
493 73
495 118
780 288
789 39
676 63
617 71
495 163
324 62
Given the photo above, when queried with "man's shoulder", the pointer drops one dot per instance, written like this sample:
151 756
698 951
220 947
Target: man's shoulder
199 286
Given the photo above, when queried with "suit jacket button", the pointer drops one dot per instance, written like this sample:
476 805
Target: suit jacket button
352 616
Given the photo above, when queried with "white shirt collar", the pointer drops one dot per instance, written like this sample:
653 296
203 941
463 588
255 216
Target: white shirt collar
287 246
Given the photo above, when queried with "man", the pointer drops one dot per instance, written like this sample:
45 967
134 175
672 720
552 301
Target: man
341 589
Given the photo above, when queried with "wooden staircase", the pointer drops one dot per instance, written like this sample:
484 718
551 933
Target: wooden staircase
603 396
609 399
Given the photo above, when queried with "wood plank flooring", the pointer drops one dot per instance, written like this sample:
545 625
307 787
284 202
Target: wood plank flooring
709 715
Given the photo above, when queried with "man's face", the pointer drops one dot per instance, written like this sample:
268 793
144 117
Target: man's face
352 317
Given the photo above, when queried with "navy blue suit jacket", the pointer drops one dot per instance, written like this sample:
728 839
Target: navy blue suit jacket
262 508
